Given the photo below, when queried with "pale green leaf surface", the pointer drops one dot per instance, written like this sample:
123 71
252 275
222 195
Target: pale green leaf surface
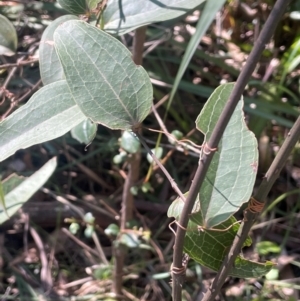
76 7
92 4
50 66
50 113
8 37
209 247
207 16
84 132
2 200
106 84
230 178
24 191
12 182
123 16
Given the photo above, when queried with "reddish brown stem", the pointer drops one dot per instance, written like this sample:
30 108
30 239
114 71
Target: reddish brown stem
132 177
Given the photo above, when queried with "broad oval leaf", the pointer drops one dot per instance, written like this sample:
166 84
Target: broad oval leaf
104 81
78 7
50 66
230 178
25 189
50 113
209 247
84 132
8 37
123 16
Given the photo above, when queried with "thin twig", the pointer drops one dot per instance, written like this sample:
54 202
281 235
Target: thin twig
9 77
91 174
168 134
17 101
215 138
19 64
79 242
99 248
163 169
81 214
100 8
45 271
138 45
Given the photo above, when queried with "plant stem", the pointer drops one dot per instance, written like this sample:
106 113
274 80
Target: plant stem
132 177
163 169
250 217
138 45
213 142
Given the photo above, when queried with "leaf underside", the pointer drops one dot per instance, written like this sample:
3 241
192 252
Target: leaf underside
50 66
231 175
20 190
104 81
228 184
8 37
123 16
84 132
50 113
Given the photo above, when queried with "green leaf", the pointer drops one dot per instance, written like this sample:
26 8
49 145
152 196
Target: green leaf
2 199
123 16
50 66
130 143
207 16
230 178
130 239
104 81
259 104
8 37
50 113
25 290
290 59
11 183
209 247
92 4
24 191
273 274
104 272
84 132
78 7
266 247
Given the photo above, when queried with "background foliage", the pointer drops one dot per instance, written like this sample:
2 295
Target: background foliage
41 255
